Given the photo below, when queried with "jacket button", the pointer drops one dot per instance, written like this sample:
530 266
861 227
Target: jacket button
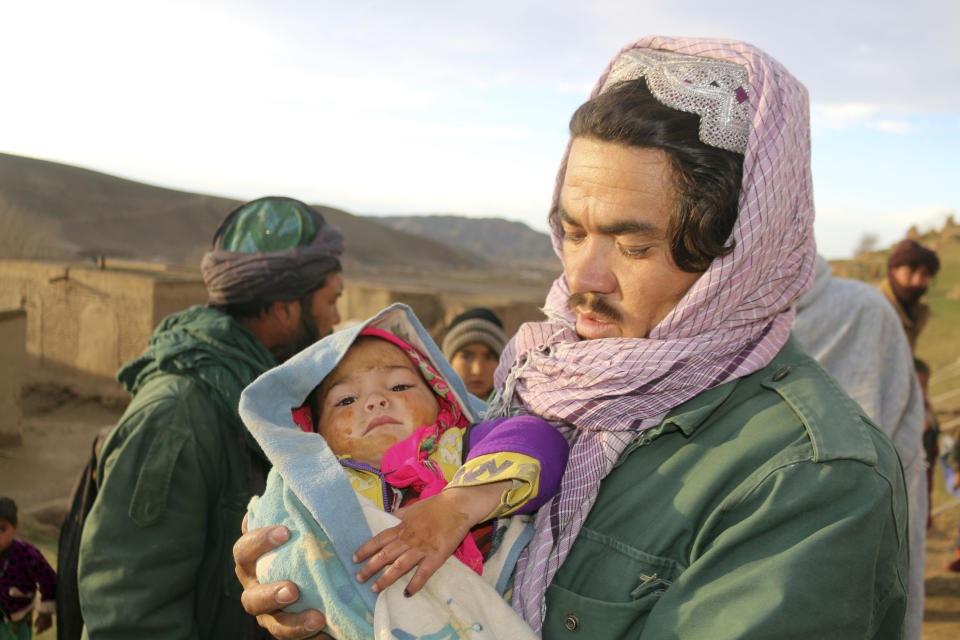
572 622
781 374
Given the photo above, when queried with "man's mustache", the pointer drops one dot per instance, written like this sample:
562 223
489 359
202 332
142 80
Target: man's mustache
595 304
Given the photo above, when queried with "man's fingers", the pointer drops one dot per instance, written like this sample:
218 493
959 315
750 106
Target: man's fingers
294 626
253 544
258 598
264 602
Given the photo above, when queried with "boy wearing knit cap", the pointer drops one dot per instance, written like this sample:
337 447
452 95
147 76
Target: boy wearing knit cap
909 271
472 344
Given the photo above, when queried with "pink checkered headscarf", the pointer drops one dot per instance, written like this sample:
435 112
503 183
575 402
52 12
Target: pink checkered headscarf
732 322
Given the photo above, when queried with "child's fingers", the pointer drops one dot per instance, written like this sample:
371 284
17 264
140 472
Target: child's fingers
382 558
400 566
428 566
375 543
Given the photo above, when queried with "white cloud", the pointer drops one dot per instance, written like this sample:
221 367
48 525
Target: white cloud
901 127
576 88
861 115
842 116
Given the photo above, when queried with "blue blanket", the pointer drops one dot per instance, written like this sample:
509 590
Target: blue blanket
309 492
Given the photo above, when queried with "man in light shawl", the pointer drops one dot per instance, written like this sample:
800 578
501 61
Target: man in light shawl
720 483
177 471
855 334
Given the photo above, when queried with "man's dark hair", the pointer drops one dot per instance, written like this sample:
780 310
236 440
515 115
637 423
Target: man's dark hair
256 308
8 510
921 367
913 254
707 179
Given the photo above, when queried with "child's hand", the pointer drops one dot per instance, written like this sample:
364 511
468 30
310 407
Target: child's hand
430 531
44 621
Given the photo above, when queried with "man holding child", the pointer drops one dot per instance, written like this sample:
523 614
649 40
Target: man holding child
720 484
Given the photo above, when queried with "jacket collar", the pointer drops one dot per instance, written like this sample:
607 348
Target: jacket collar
689 416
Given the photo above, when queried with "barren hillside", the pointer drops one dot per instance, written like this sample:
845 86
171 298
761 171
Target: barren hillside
51 210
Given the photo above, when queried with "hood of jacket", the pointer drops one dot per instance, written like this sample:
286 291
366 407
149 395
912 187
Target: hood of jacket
205 345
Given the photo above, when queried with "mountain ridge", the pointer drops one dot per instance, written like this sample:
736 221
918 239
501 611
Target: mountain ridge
59 211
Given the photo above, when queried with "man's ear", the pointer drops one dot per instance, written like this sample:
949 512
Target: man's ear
285 312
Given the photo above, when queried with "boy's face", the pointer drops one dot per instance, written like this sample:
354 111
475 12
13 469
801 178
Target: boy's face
475 363
7 532
373 399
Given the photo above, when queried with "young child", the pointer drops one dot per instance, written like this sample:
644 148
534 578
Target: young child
386 413
399 429
23 570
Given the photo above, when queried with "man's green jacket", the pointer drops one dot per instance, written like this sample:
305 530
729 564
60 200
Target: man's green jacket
767 507
174 479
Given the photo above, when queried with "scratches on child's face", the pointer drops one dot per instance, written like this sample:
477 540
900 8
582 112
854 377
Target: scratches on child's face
373 399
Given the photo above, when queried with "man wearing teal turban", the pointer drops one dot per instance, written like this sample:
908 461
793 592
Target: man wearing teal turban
177 471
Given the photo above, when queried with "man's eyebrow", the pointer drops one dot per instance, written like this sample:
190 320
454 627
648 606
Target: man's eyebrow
620 228
565 217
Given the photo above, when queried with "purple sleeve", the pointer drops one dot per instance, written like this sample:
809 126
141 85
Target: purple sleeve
43 574
531 436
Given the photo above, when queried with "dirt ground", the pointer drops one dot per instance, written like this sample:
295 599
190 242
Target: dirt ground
60 421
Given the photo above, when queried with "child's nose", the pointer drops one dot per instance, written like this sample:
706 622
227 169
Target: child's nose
375 401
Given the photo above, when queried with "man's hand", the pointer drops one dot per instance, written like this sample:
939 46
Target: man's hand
956 480
430 531
265 600
44 622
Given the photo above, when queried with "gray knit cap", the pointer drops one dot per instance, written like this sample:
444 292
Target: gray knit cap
475 325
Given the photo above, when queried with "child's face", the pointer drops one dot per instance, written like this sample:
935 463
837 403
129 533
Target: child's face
7 532
374 399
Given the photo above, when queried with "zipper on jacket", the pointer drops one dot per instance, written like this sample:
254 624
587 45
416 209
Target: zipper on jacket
384 487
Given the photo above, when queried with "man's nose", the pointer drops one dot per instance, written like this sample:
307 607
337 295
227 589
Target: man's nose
588 268
919 279
475 367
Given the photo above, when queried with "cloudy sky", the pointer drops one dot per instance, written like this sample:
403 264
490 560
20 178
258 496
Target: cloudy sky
456 107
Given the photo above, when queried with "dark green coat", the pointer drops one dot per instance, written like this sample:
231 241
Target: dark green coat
767 507
174 479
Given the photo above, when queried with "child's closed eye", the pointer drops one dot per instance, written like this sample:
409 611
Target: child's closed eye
401 387
345 401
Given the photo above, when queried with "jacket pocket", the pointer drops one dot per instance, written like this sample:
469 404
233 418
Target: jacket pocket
571 615
149 500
